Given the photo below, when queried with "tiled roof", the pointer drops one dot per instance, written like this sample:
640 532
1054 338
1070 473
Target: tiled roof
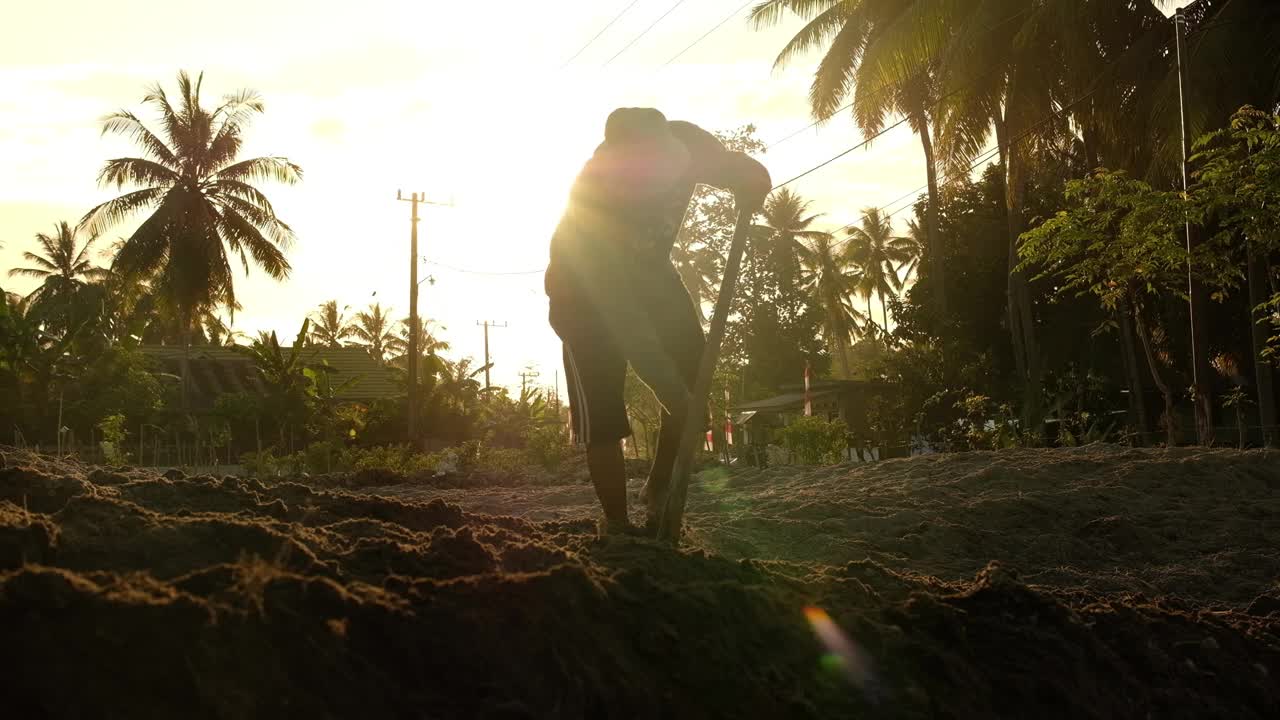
216 371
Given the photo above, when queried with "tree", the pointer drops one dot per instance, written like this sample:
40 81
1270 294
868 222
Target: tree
203 206
863 58
786 224
329 327
1120 241
878 253
221 332
373 331
428 344
914 247
828 274
774 324
63 271
703 241
1237 181
286 383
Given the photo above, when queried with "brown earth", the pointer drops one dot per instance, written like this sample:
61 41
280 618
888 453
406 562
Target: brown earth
1126 583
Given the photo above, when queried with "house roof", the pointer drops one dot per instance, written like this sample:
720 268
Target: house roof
782 402
216 371
818 391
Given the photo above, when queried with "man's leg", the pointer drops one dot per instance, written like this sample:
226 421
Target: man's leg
609 476
675 320
595 374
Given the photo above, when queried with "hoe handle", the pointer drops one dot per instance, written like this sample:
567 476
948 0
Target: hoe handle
673 510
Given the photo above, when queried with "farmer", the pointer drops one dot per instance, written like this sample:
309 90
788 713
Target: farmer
615 298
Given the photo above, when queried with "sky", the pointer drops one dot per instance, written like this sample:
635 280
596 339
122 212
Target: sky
472 104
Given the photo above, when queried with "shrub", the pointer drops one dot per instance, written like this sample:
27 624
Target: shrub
260 464
113 437
546 445
814 441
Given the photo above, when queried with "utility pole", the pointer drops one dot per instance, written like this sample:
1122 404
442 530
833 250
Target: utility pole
488 324
412 355
525 376
1195 293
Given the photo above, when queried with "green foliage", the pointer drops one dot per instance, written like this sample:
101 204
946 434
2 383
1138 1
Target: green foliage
978 423
547 445
1238 186
114 435
260 464
1121 239
814 440
396 458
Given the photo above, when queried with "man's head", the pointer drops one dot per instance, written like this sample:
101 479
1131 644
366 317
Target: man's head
635 124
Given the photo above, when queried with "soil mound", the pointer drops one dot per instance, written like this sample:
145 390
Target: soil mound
124 594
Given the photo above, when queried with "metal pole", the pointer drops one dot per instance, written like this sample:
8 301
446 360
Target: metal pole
488 324
413 323
1179 25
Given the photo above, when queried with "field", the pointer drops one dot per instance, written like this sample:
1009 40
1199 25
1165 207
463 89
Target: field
1098 582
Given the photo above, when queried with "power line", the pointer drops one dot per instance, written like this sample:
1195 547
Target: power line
597 35
720 24
644 32
832 159
469 271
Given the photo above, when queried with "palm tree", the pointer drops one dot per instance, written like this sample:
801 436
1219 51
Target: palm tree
221 332
699 270
1005 76
828 274
915 245
203 206
863 40
428 344
878 253
786 226
373 330
458 387
64 270
329 327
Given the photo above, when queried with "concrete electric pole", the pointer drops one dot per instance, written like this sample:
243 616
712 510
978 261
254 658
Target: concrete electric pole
487 365
412 355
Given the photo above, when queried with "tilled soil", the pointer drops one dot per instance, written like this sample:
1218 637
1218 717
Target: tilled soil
1126 584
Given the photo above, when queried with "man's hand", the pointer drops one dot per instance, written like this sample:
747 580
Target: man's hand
751 181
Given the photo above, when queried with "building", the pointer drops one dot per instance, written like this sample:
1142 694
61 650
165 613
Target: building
215 371
756 423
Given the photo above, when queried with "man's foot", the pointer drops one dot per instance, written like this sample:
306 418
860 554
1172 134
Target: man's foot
650 527
621 529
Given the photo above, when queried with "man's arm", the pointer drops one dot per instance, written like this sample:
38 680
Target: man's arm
712 164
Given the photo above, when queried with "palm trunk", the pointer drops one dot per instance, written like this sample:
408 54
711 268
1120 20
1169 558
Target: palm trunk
870 318
1022 324
884 318
1261 366
186 360
1137 397
1169 419
838 339
934 239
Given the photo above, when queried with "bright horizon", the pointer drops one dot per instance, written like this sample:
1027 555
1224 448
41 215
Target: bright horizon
450 102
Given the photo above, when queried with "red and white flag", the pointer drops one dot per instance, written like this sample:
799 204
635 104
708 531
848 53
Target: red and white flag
808 401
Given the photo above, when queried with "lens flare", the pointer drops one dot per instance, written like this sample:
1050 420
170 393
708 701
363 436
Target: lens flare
843 654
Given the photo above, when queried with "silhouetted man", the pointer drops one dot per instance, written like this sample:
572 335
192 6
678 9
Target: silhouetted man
616 298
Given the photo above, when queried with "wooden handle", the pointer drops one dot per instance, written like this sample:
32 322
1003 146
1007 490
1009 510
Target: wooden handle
673 509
